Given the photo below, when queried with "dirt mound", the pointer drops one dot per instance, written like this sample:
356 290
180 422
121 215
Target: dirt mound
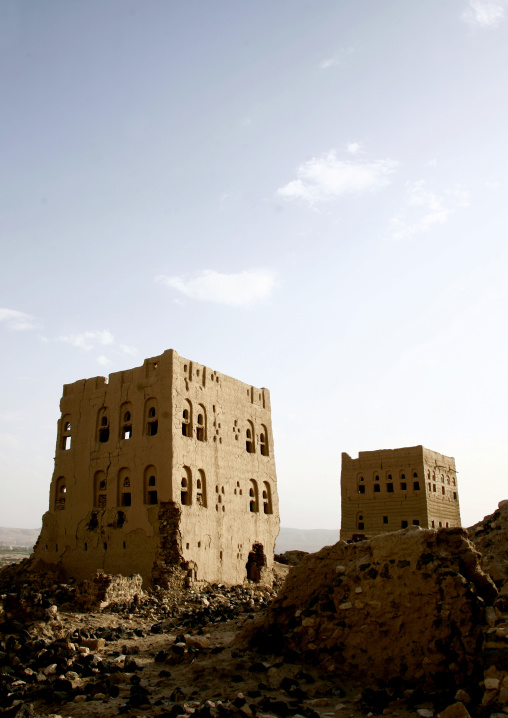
406 607
490 537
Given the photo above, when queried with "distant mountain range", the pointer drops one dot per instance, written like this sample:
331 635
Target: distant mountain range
18 537
310 540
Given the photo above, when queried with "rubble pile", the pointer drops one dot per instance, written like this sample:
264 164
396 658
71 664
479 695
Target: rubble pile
406 624
490 537
405 607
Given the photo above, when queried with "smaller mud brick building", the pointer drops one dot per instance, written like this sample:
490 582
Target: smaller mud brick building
391 489
165 465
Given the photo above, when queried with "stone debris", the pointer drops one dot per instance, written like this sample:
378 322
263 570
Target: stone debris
405 606
405 625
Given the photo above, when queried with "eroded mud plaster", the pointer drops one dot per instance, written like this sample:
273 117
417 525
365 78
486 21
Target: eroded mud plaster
168 466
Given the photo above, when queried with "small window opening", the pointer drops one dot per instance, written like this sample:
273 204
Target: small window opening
126 426
434 488
361 489
85 547
415 475
377 488
185 493
361 478
105 546
153 424
443 490
447 525
389 477
403 486
126 498
389 488
416 485
433 524
200 428
185 423
152 497
454 496
385 519
403 476
440 524
361 526
124 545
262 445
416 522
248 442
377 478
403 524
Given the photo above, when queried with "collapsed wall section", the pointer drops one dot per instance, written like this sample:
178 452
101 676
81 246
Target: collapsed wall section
406 606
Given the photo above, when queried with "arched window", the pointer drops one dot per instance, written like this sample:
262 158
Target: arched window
249 438
103 425
151 421
126 420
186 487
65 437
60 493
263 441
100 498
360 524
150 486
201 423
187 418
201 489
124 488
253 497
267 498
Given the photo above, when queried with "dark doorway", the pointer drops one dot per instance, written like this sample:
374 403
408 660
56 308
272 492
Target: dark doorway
255 562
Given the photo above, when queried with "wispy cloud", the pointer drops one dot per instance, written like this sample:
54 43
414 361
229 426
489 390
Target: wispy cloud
423 209
17 321
326 178
130 351
104 361
237 290
338 58
484 13
329 62
88 340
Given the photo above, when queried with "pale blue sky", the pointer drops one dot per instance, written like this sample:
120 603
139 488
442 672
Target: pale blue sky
308 196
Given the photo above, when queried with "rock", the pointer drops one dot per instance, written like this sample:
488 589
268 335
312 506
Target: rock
492 684
463 697
456 710
93 644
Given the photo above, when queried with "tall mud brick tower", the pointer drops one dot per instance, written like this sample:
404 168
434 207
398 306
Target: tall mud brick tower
165 466
391 489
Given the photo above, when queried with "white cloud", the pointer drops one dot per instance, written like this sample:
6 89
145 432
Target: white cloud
330 62
424 208
353 147
325 178
104 361
87 340
237 290
17 321
131 351
484 13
